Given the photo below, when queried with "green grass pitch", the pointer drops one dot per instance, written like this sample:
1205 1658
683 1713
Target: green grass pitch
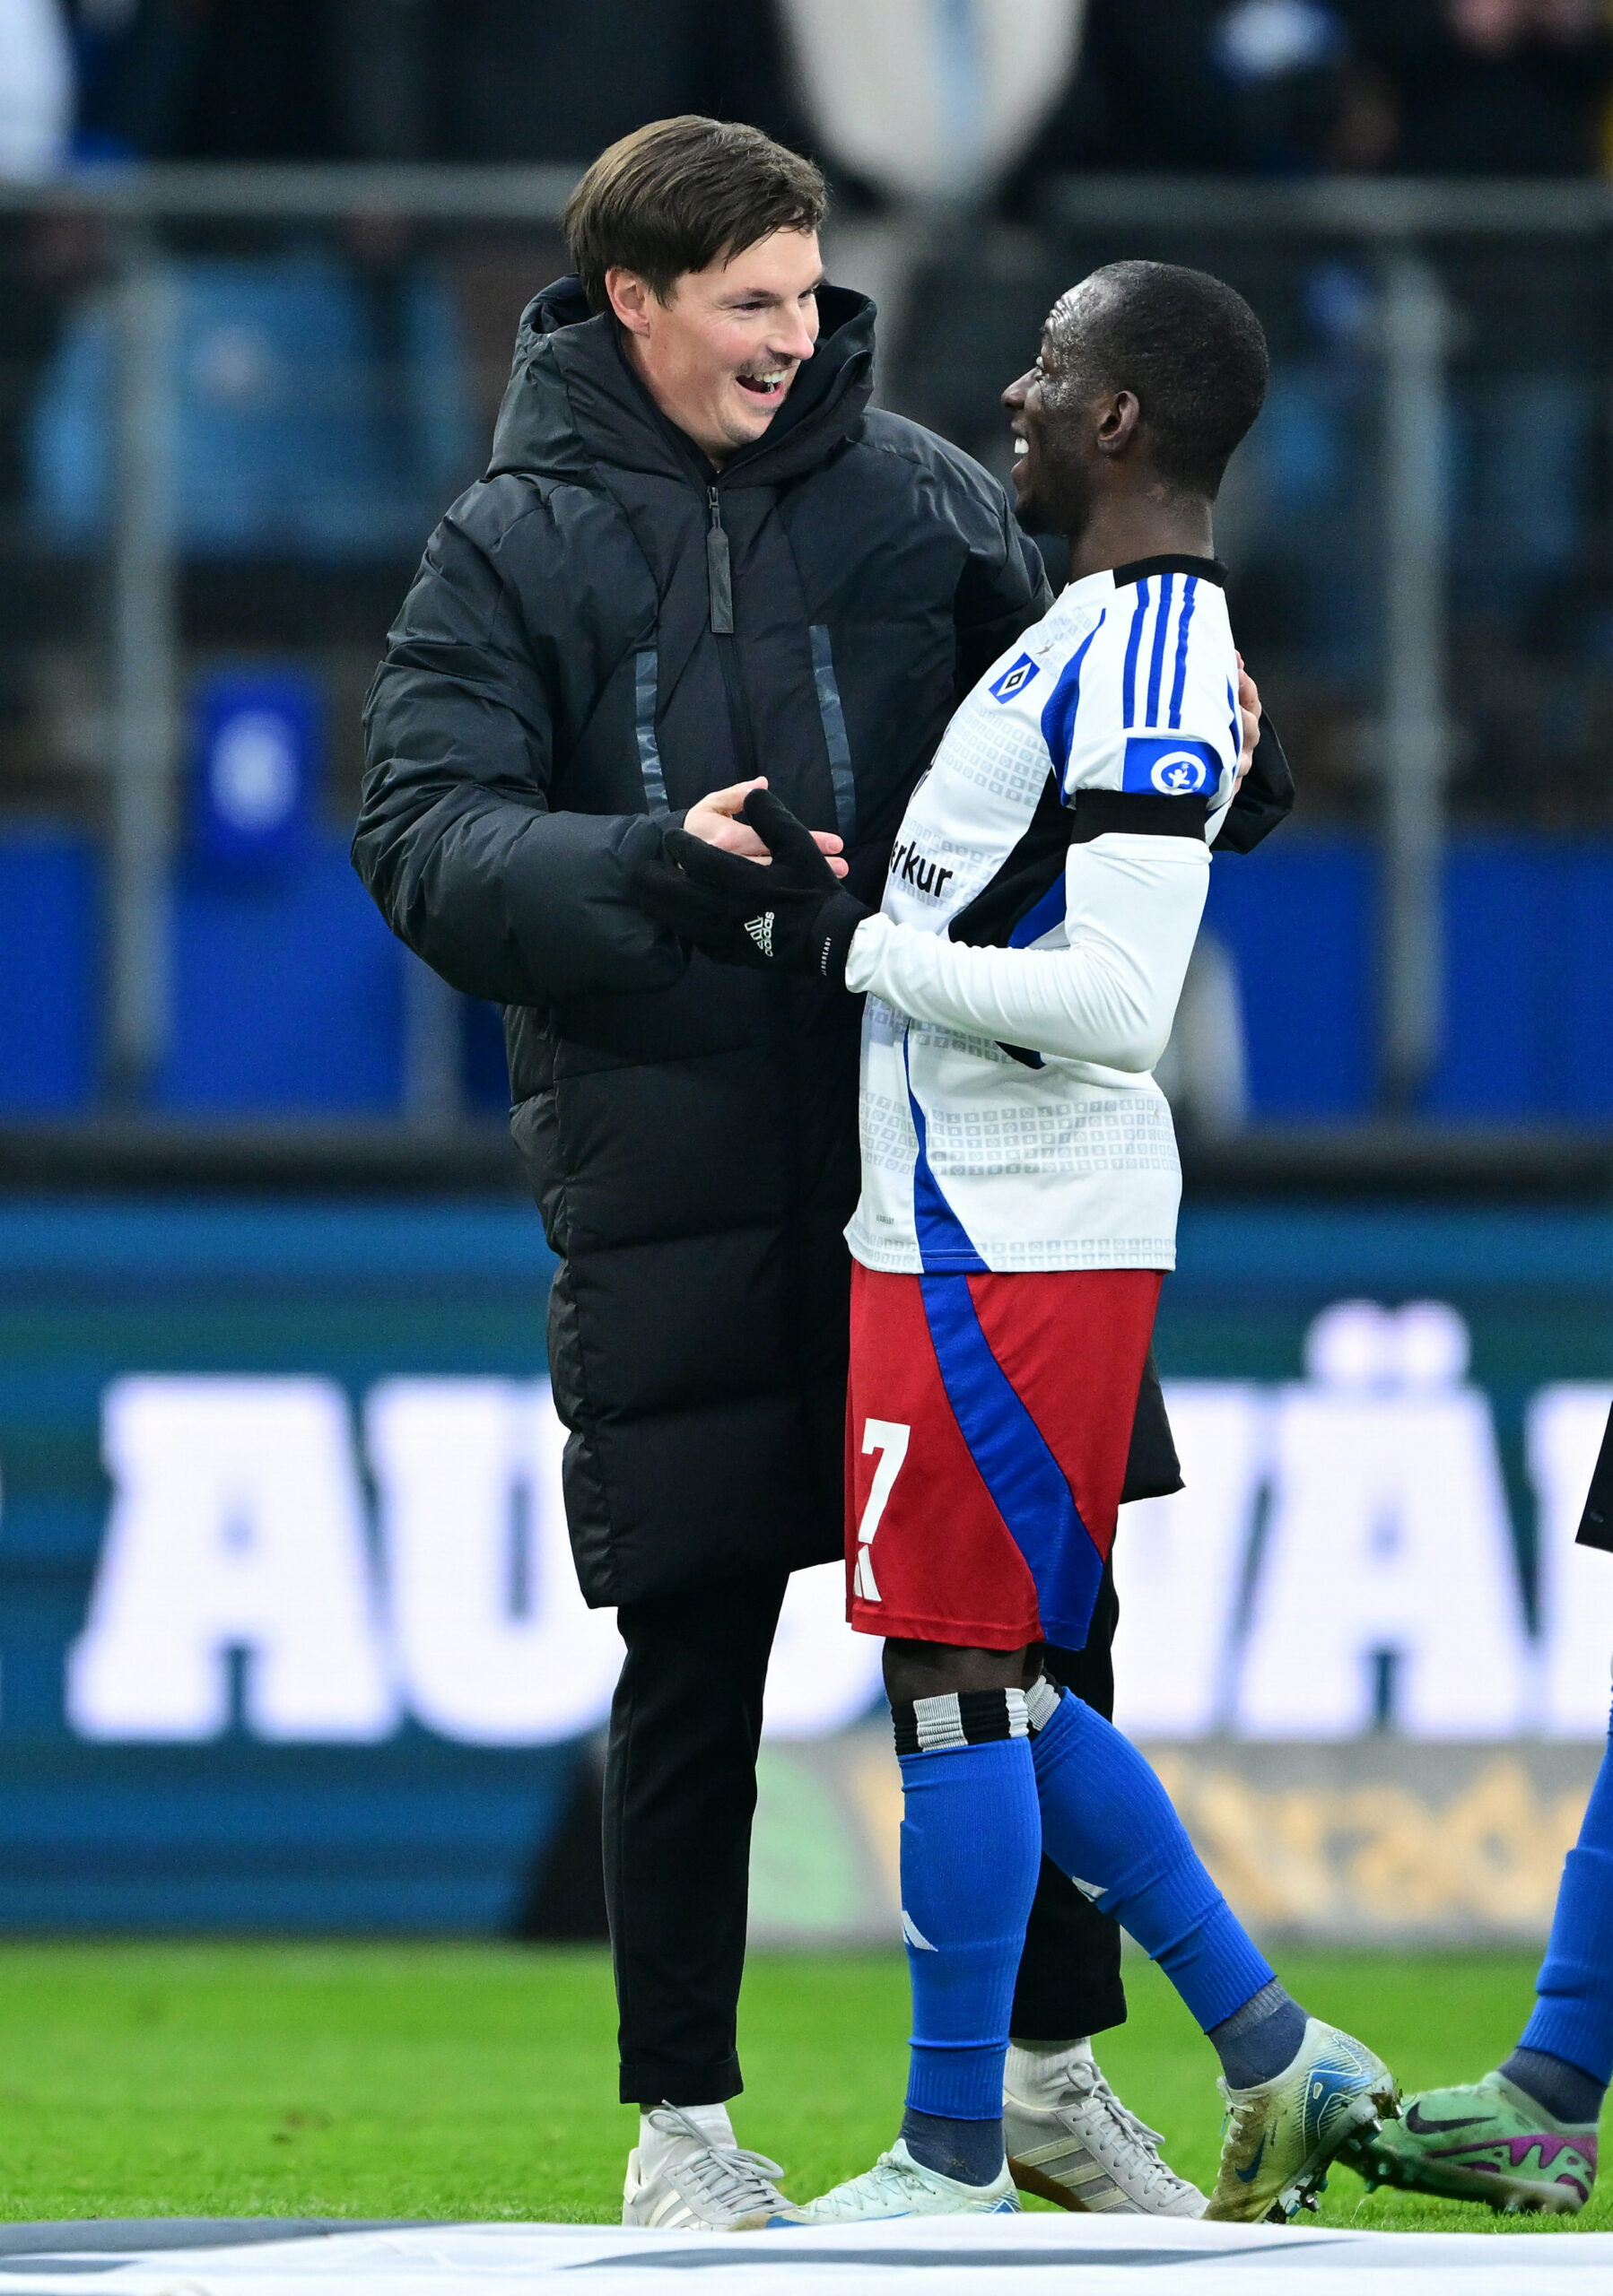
466 2081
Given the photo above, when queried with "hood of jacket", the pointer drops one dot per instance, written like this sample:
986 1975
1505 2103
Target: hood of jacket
573 401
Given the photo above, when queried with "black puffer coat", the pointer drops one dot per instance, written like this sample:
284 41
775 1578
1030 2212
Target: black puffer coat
602 630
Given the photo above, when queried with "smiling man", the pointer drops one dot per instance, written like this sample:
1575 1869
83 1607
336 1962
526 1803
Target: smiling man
697 556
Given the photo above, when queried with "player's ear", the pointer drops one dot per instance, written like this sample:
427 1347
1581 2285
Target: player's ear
629 298
1118 414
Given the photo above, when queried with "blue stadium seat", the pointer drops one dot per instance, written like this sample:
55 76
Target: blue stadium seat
317 413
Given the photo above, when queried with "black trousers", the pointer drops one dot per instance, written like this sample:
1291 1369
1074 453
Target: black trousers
680 1791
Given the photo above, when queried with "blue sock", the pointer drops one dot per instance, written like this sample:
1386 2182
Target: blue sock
1260 2039
1573 1995
970 1851
1567 2094
1108 1823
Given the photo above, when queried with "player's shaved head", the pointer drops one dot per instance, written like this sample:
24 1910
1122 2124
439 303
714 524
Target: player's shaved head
1184 344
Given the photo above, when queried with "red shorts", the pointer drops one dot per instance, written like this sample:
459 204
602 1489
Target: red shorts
987 1424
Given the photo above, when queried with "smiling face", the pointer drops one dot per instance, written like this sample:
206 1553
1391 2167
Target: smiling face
1055 464
720 356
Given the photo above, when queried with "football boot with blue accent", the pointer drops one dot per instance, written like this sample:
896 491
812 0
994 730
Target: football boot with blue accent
1486 2139
899 2185
1282 2134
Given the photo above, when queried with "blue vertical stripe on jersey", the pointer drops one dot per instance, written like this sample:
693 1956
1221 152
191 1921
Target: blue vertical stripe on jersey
1190 592
1026 1482
1162 623
944 1242
1237 724
1129 682
1058 711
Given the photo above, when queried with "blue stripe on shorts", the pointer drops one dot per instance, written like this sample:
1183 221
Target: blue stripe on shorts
1026 1482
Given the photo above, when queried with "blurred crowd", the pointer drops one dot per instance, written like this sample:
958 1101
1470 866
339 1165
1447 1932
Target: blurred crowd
334 387
939 97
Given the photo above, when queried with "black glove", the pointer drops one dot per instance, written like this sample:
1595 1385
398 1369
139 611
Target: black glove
1266 798
792 914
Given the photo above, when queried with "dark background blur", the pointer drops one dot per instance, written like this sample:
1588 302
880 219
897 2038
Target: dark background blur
329 374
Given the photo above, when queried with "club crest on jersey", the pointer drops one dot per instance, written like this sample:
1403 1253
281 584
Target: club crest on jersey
1168 766
1014 680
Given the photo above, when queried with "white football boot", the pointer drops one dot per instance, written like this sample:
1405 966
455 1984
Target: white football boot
1076 2144
899 2185
1282 2133
696 2180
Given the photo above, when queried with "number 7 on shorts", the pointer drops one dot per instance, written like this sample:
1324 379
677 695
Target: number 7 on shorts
890 1438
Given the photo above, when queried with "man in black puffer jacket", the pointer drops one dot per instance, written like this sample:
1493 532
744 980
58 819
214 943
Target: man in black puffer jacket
697 557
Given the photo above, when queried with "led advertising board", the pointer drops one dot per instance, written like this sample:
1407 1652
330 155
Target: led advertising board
289 1637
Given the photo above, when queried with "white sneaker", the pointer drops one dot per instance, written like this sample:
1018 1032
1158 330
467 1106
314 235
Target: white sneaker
696 2182
899 2185
1283 2134
1089 2152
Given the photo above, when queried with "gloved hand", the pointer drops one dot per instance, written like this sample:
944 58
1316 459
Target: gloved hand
789 914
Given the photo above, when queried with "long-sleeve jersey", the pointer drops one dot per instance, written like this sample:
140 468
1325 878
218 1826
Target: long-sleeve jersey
1043 898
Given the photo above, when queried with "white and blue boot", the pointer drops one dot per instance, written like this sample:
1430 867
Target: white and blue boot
899 2185
1282 2134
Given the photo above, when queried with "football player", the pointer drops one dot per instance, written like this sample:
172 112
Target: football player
1020 1187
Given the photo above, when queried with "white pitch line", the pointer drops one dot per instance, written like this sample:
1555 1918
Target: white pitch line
905 2258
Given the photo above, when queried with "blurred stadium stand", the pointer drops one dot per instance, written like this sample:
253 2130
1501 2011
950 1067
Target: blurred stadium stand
1434 644
260 292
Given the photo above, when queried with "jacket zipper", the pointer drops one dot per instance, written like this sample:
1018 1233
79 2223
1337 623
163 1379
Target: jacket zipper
720 583
719 571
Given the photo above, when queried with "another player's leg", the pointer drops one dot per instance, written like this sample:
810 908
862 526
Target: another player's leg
1297 2090
1070 2138
1524 2137
680 1788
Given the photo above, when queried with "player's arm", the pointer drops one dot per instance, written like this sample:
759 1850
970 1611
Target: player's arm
1133 902
1132 910
456 840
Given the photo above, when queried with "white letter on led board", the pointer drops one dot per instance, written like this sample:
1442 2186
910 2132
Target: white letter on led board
1389 1533
822 1676
1178 1564
494 1644
237 1523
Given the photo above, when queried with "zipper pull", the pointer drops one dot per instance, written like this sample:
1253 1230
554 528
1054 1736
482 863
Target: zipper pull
719 576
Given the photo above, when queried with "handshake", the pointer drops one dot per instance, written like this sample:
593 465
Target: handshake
790 914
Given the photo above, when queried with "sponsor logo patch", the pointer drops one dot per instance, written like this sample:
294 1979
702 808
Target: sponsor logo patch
1168 766
1016 679
909 867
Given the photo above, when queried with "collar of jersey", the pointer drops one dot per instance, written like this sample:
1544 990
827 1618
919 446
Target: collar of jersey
1105 584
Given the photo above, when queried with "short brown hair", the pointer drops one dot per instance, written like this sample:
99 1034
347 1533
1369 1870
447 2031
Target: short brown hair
673 196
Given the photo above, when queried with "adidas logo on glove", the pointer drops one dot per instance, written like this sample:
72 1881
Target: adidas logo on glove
709 897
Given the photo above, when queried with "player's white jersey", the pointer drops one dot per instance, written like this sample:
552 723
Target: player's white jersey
1009 1117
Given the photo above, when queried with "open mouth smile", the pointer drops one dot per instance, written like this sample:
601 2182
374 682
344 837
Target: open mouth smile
770 384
